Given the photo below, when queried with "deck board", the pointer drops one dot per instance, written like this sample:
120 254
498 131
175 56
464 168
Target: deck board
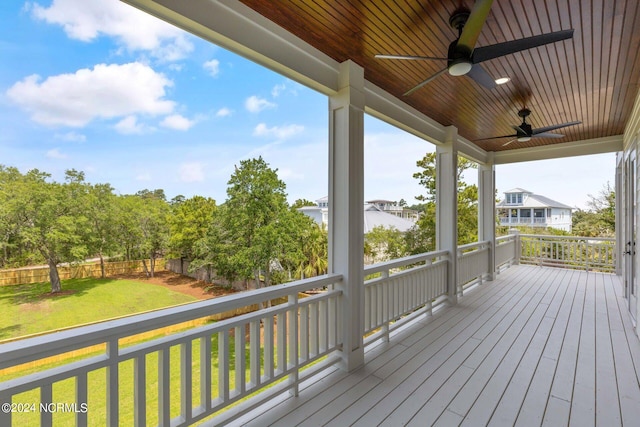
537 346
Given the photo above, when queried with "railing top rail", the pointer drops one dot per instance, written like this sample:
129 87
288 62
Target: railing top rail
473 245
400 262
23 351
550 237
507 237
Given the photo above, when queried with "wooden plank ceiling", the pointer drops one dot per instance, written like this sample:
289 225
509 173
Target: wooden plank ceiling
592 78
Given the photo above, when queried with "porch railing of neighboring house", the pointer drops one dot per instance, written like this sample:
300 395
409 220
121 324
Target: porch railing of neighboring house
254 352
405 285
585 253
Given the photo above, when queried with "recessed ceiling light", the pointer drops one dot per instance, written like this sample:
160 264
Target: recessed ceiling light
502 80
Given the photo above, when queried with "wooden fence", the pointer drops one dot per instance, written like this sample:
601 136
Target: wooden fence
23 276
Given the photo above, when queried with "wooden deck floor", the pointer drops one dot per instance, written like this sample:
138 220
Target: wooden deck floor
538 346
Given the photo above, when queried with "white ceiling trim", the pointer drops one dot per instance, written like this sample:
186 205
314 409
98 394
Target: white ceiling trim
610 144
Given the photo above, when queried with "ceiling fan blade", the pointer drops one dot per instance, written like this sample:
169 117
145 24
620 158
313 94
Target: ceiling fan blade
409 57
519 130
410 91
485 53
548 135
513 140
553 127
480 76
496 137
474 24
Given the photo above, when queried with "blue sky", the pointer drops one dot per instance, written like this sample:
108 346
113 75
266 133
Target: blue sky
98 86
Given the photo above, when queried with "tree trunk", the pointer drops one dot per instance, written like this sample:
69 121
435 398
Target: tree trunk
152 263
146 270
257 279
102 272
56 286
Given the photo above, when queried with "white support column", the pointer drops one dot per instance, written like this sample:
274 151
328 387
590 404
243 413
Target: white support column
447 207
487 212
346 202
618 213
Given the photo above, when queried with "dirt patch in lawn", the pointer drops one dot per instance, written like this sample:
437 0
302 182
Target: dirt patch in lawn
179 283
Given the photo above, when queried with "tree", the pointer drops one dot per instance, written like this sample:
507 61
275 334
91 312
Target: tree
599 220
383 244
188 222
310 256
300 203
254 230
53 219
154 229
101 213
422 237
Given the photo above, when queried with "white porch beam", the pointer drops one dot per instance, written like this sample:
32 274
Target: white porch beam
487 212
239 29
447 206
346 200
610 144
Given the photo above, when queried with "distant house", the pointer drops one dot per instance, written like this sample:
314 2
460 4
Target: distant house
374 216
524 208
394 208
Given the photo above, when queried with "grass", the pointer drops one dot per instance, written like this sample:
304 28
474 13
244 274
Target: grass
29 309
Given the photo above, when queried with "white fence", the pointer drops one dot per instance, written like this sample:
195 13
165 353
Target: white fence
404 286
585 253
281 341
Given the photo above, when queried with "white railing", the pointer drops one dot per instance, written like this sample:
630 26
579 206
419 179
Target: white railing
264 350
524 220
473 263
505 250
405 285
585 253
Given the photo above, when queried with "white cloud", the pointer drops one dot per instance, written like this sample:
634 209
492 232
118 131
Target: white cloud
55 154
106 91
177 122
86 20
213 67
280 132
224 112
278 89
71 137
192 172
130 126
254 104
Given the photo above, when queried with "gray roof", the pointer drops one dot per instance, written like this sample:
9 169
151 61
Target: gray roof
533 201
374 217
518 190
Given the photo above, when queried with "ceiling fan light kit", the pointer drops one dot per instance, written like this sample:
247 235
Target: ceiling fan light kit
460 67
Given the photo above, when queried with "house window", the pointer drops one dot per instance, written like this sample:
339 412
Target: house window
514 198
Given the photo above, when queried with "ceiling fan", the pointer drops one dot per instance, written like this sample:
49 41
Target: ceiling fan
464 58
524 132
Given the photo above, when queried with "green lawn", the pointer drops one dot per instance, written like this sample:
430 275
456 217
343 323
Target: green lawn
26 309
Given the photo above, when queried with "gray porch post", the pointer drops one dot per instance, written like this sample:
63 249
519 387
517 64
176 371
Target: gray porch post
346 201
447 207
487 212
